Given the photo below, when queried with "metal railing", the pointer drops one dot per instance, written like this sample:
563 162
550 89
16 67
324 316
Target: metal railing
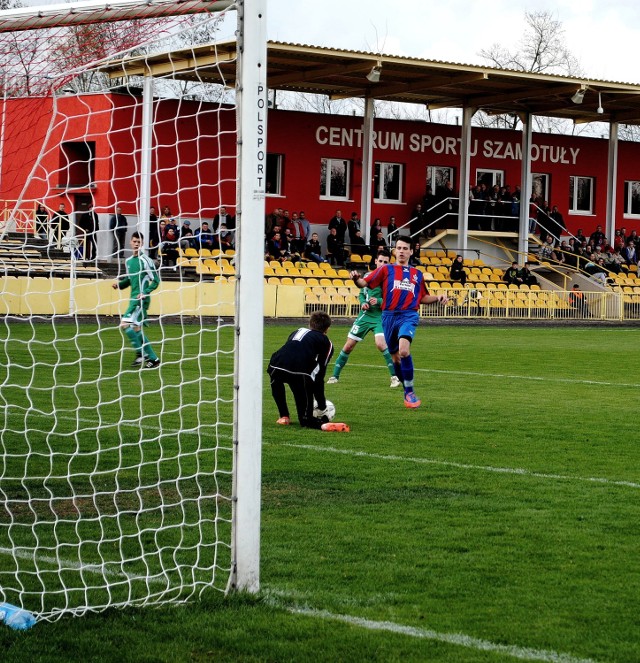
508 304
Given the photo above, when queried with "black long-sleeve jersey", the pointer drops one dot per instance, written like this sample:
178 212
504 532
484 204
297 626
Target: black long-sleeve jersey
306 352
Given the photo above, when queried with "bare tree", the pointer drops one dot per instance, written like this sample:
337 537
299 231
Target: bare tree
317 103
542 49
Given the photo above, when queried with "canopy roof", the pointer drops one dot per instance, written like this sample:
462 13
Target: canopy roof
436 84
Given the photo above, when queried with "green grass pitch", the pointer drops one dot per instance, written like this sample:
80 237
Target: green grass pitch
498 522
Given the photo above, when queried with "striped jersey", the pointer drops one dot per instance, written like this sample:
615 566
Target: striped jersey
402 286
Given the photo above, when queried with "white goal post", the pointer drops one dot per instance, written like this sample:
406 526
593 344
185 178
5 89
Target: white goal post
123 487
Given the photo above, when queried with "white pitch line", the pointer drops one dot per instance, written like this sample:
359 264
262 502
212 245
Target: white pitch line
518 471
509 376
458 639
70 565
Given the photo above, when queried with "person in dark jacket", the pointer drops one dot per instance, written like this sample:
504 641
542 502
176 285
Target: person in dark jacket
457 273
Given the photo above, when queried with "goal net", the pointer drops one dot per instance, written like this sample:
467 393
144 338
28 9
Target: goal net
129 441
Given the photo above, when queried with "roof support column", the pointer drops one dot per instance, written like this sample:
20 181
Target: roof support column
465 160
525 189
145 159
612 176
367 169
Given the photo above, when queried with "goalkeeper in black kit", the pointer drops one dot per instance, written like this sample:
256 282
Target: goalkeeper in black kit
301 363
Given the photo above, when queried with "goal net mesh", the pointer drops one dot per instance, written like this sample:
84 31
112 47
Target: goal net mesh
116 480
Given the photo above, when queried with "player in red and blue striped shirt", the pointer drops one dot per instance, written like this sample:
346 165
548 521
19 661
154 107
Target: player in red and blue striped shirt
403 290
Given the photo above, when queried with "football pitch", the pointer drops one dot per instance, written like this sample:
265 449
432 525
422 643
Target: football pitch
498 522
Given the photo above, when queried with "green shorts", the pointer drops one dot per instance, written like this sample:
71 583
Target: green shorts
364 324
136 313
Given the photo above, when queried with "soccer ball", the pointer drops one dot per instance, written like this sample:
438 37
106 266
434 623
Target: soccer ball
330 413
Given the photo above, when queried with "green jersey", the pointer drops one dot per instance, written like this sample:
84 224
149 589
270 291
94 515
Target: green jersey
142 276
143 279
374 310
369 320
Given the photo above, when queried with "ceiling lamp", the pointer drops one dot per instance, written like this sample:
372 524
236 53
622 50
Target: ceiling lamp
374 75
579 95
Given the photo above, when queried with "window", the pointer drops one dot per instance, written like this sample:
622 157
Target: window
540 187
489 177
273 183
335 175
387 182
632 198
77 165
437 177
580 195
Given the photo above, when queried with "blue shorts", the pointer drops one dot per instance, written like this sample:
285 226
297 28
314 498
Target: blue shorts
397 325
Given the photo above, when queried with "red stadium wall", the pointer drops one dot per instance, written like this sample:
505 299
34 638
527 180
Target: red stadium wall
189 176
305 139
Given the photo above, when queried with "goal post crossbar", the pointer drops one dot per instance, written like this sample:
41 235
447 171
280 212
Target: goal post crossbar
92 11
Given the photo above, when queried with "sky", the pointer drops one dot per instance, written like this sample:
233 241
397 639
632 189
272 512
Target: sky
603 36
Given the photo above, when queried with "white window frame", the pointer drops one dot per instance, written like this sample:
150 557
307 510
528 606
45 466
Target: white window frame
573 197
382 166
276 182
545 178
438 176
497 176
325 187
629 187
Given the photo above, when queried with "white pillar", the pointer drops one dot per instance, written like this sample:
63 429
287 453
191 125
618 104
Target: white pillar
612 176
525 189
465 163
367 169
146 151
251 95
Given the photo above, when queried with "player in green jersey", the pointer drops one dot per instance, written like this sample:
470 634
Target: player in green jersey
142 277
369 320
